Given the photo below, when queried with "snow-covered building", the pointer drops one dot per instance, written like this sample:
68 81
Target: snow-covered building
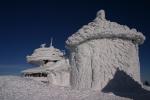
99 49
52 66
99 52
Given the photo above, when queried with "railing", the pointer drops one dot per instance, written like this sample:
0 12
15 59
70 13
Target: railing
38 78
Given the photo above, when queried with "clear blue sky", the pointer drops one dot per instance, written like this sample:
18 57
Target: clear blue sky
25 24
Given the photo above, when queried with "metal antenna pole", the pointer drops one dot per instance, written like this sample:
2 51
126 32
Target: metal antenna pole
51 42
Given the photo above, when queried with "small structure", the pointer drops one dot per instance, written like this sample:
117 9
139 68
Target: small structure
53 67
99 49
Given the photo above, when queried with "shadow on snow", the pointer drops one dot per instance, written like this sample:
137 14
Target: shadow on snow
125 86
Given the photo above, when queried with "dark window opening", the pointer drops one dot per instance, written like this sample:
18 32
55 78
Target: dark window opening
55 61
46 61
36 75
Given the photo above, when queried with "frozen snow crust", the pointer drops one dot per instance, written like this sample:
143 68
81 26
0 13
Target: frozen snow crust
17 88
102 28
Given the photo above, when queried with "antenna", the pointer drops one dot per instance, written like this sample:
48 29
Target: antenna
51 42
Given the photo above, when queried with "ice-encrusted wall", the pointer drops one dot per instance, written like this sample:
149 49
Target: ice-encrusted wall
99 49
95 62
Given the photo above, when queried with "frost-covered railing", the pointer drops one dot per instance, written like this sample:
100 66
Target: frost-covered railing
38 78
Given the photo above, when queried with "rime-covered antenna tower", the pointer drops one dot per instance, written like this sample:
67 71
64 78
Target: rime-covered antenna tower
51 44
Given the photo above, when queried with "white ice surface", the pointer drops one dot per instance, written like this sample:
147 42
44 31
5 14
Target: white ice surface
17 88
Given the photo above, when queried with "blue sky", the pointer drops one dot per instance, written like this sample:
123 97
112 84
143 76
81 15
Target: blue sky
24 25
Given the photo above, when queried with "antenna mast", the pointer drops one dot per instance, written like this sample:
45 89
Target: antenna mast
51 42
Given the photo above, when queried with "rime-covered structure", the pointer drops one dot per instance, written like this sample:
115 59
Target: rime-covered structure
53 67
99 49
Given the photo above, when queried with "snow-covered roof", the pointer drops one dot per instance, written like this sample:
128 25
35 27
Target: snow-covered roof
62 65
103 28
45 53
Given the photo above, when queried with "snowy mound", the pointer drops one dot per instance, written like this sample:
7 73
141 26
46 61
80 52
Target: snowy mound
17 88
102 28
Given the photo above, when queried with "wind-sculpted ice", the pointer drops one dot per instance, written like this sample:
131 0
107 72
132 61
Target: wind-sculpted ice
98 49
102 28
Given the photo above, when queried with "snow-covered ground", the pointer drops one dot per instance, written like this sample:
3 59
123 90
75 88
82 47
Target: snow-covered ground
18 88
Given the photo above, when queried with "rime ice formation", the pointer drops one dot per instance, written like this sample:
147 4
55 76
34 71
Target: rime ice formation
53 67
98 49
102 28
103 65
59 73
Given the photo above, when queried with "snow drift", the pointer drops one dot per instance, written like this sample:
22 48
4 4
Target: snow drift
17 88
